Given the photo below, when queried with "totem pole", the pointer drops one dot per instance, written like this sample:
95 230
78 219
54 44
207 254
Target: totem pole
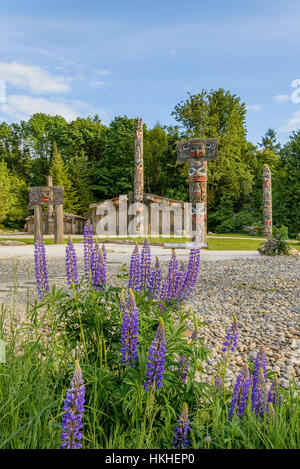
138 192
47 195
197 152
267 196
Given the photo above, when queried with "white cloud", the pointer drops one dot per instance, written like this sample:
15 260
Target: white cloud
102 72
281 98
254 108
292 124
22 107
97 83
34 78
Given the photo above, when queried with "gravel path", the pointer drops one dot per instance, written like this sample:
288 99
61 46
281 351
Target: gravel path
263 292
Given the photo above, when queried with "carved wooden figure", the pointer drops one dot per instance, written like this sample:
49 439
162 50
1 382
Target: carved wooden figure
197 152
138 192
47 195
267 196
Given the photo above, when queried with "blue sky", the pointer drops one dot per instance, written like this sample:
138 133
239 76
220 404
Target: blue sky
136 58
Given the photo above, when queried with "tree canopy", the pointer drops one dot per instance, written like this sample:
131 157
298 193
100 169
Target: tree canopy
95 162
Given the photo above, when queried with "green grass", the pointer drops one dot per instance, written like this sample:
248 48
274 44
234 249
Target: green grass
215 244
118 413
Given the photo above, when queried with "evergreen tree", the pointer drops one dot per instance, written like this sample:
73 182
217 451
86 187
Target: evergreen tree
59 172
80 175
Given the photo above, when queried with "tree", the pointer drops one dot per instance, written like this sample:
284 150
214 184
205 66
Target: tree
7 197
113 175
220 114
83 135
61 177
80 175
13 197
287 209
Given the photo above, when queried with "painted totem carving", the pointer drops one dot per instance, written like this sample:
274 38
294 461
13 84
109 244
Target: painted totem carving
138 191
197 152
47 195
198 197
267 196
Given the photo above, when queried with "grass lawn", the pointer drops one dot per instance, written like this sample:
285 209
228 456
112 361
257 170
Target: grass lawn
215 244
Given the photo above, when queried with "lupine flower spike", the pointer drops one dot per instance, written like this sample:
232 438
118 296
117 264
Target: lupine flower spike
232 335
130 331
273 395
103 261
134 271
145 267
192 272
259 395
41 276
98 268
218 383
156 359
72 418
240 394
180 279
71 263
169 286
171 283
155 280
183 368
182 429
87 248
259 364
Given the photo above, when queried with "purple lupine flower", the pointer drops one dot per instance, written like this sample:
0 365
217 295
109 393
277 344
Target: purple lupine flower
104 262
71 263
259 394
231 338
183 368
273 394
259 363
87 248
218 383
130 331
180 279
40 264
192 272
94 263
155 280
72 418
182 429
194 335
134 271
145 265
240 394
156 359
169 287
98 268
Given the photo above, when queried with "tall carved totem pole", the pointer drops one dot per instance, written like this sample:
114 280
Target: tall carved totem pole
267 196
197 151
138 191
